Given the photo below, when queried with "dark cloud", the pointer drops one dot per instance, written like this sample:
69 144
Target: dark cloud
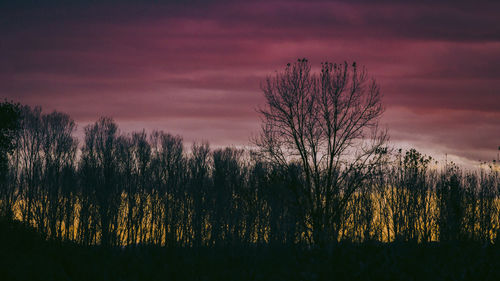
442 20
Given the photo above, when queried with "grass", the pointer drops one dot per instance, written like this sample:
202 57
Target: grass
27 255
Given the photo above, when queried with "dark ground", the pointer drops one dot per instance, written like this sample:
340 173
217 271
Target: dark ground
25 255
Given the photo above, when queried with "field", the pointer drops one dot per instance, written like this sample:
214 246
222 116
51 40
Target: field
26 255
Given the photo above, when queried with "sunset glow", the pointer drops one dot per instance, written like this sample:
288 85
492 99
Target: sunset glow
195 69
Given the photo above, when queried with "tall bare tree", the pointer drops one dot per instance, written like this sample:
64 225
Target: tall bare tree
98 168
328 123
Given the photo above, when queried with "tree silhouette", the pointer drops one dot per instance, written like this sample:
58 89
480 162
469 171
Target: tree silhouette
99 175
10 114
323 121
322 175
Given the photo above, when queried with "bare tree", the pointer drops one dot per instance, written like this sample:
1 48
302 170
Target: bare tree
10 114
98 167
168 171
59 151
327 122
199 186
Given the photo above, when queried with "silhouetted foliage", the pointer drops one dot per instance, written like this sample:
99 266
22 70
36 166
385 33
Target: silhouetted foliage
321 174
123 189
321 185
321 179
26 255
9 126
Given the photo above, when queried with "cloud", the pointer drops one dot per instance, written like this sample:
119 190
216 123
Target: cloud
438 64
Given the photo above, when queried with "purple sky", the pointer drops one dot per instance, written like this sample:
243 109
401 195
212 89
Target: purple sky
195 69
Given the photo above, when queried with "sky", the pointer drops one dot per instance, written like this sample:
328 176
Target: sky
194 68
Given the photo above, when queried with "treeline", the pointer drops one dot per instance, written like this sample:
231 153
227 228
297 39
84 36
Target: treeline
118 189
